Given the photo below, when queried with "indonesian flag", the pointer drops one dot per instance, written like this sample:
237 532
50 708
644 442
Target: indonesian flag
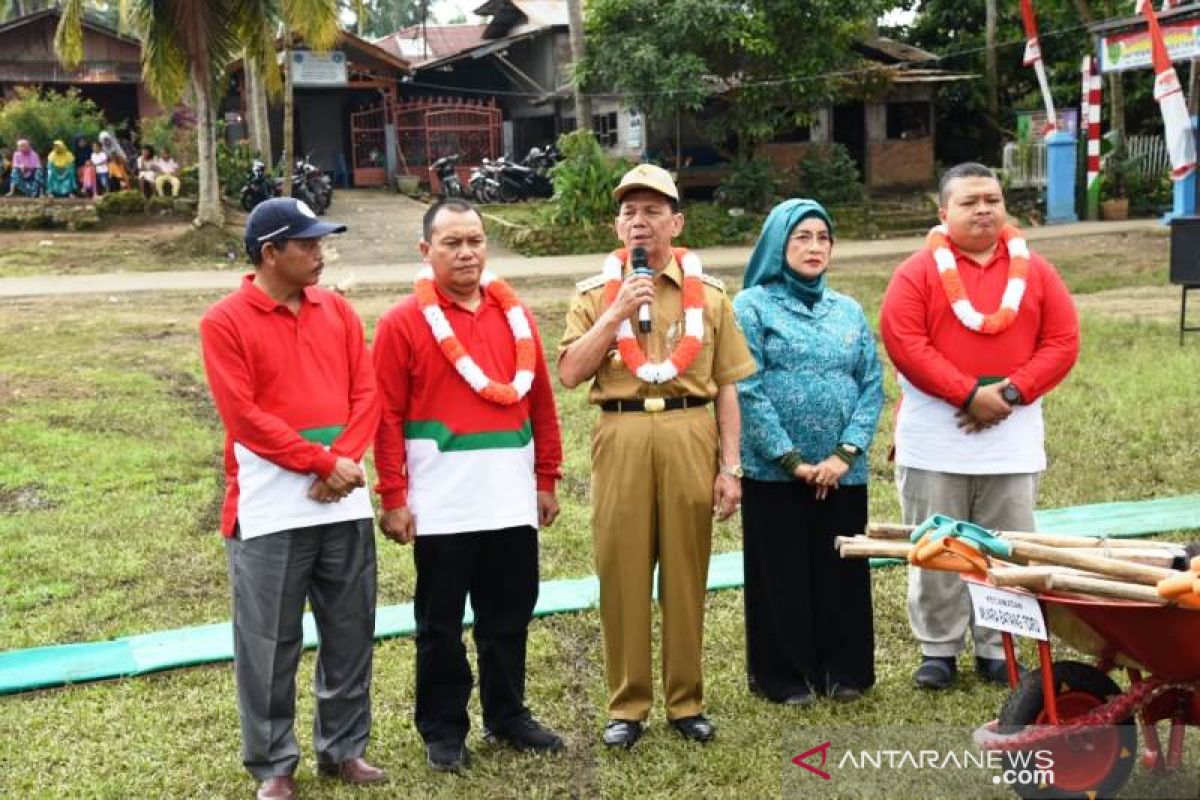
1167 92
1033 58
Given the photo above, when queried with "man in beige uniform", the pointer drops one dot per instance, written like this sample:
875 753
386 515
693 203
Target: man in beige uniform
661 464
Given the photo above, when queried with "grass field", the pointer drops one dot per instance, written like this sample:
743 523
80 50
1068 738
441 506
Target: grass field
110 487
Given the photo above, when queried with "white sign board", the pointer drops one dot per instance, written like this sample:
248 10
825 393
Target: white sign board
1015 612
635 131
318 69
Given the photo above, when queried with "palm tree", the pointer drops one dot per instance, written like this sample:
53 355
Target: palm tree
189 45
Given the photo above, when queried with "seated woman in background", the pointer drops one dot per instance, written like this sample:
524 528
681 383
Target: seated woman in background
26 176
100 163
809 415
82 150
60 171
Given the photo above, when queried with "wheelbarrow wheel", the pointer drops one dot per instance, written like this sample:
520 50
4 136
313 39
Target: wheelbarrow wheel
1091 764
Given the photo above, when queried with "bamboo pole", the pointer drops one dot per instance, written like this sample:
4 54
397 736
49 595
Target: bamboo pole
861 547
1119 590
1068 557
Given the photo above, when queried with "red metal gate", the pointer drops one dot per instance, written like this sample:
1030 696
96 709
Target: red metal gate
428 128
369 146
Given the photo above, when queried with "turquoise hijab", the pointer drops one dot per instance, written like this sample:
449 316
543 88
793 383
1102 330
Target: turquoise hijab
768 262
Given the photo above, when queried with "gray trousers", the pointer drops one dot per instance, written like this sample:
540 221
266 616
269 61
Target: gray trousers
333 567
939 606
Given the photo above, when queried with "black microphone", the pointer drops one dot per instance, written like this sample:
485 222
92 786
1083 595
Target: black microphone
641 269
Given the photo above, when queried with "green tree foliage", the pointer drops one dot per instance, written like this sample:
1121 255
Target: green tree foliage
762 64
377 18
955 28
43 117
828 174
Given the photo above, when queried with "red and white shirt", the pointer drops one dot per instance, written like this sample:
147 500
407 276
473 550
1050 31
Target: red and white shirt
295 392
940 361
458 462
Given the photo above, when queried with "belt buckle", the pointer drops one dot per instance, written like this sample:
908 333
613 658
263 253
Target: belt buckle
653 405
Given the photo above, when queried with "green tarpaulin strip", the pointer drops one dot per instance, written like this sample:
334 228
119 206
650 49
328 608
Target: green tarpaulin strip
56 665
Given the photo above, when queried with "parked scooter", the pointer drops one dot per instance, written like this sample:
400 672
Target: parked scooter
317 182
447 175
258 186
519 182
483 185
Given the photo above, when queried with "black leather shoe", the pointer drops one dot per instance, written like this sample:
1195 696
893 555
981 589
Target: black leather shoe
526 734
799 699
935 672
447 756
622 733
696 728
995 670
845 694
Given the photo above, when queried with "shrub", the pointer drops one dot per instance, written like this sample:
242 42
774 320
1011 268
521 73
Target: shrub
233 163
749 185
43 117
175 132
583 181
828 174
130 201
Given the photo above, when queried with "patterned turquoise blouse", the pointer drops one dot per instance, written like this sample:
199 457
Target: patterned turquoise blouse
818 385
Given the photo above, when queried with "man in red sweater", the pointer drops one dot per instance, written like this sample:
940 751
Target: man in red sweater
294 386
979 329
467 468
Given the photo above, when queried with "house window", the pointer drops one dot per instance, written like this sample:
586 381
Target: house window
605 128
907 120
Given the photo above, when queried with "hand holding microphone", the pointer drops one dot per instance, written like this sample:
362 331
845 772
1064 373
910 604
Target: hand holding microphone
641 269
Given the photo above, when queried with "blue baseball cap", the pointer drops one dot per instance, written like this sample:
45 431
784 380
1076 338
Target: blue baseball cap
282 218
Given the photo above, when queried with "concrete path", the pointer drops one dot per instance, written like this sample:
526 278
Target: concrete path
378 251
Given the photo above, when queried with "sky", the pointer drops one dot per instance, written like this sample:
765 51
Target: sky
448 9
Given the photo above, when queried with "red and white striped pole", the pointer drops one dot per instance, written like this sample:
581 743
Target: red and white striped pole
1090 116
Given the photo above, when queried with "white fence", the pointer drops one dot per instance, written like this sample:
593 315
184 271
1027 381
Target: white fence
1025 164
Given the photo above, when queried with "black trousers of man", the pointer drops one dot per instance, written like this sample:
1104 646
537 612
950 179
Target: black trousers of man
808 611
498 570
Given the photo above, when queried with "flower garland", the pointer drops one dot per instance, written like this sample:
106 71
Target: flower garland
693 320
1018 271
505 394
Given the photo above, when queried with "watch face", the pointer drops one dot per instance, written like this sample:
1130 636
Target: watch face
1011 394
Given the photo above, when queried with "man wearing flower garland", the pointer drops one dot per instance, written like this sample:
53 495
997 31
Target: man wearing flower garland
467 469
662 465
979 329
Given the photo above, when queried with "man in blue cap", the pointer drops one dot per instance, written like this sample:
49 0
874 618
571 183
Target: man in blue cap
295 389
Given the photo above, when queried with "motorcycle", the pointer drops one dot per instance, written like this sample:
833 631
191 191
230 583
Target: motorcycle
519 182
318 184
483 185
447 175
258 186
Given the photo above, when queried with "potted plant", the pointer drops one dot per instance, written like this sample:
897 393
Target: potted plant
1114 185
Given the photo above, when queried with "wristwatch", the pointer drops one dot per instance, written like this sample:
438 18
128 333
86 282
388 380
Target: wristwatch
733 471
850 448
1011 395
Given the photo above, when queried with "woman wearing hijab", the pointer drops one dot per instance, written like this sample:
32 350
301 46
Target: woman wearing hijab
60 171
26 176
809 417
118 164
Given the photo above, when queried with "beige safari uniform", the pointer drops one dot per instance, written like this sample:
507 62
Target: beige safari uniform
652 494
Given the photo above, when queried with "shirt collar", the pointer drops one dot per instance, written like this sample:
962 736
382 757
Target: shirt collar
258 298
1000 252
445 302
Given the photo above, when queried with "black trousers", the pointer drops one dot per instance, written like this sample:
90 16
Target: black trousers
499 571
808 611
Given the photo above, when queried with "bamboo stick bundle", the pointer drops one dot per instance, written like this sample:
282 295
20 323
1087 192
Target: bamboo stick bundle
1068 557
893 531
1065 579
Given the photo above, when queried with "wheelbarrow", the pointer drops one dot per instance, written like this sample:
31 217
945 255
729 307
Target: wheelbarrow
1079 713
